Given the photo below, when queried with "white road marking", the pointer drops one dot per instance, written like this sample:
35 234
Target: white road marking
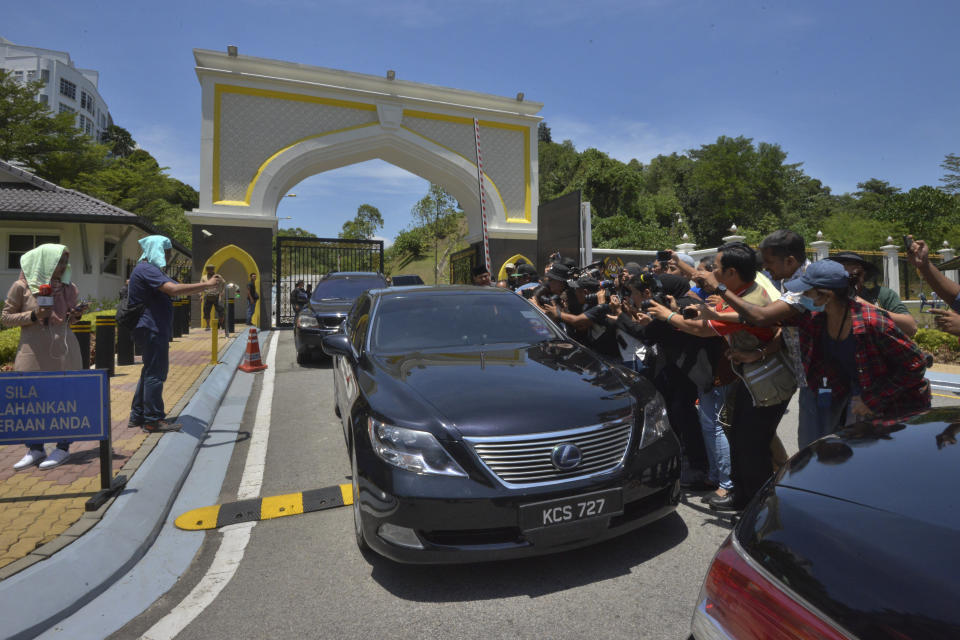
235 537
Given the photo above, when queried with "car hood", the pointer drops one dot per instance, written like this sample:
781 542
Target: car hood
910 468
505 390
334 307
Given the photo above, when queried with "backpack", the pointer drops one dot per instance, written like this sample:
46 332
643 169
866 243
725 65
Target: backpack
128 315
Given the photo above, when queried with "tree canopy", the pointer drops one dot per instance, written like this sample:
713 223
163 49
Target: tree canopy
116 172
364 225
734 180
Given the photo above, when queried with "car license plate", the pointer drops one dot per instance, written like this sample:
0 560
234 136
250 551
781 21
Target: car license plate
572 509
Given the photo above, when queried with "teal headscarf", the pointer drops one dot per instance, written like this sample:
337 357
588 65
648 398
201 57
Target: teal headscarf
153 248
39 264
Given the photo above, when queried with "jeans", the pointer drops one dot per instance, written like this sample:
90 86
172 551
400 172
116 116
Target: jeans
147 403
251 306
714 438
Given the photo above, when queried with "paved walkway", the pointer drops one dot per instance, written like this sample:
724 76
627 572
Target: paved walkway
37 506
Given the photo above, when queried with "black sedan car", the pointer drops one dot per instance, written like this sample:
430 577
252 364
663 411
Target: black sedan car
858 536
478 431
329 304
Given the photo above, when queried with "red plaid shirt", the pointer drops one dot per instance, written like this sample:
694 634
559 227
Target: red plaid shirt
890 366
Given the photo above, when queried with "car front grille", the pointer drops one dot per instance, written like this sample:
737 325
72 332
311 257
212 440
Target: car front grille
332 322
526 460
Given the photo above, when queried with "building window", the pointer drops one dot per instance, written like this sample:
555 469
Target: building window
88 126
32 75
19 244
86 101
45 76
18 76
68 89
112 266
43 98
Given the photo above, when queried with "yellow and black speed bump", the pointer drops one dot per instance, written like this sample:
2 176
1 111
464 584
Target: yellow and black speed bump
265 508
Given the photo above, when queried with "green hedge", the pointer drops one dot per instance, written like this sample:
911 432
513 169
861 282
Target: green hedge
9 339
931 340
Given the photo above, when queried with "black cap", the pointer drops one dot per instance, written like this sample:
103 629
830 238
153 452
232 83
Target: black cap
559 272
526 269
850 256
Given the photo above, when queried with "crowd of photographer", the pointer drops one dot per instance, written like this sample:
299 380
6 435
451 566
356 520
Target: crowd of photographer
729 340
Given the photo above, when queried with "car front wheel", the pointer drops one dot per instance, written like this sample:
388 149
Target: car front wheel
303 357
357 523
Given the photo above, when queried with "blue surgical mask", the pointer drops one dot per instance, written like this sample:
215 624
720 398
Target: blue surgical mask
807 303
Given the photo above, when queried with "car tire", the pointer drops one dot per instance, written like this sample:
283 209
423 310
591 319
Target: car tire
357 526
303 357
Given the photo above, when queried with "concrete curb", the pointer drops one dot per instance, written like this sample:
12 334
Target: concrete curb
944 381
45 593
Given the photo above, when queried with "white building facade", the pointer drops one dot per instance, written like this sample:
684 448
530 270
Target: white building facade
65 88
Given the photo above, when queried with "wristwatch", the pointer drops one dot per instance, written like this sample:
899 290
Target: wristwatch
721 289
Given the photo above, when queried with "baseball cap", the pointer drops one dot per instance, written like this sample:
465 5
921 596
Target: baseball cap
686 258
826 274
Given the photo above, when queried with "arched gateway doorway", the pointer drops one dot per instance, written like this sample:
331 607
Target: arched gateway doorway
267 125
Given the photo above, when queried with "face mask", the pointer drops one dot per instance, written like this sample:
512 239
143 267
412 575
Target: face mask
807 303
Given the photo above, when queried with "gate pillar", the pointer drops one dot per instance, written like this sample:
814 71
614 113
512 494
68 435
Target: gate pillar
251 247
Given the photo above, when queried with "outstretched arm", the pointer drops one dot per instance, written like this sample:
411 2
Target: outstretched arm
918 253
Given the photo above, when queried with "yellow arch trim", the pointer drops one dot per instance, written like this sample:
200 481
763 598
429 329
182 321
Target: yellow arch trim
493 125
220 89
232 251
253 183
502 274
474 164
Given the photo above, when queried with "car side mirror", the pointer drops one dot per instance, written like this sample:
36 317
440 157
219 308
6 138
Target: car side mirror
337 344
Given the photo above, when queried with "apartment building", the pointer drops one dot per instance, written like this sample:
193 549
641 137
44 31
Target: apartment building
65 86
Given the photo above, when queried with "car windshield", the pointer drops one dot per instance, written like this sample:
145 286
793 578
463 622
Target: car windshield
346 287
445 319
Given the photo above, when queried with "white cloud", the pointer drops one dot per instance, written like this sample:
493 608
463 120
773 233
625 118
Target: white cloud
621 139
374 176
387 242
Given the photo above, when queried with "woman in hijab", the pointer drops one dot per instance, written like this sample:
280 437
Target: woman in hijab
46 341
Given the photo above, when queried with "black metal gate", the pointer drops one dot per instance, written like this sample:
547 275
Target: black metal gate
462 263
309 259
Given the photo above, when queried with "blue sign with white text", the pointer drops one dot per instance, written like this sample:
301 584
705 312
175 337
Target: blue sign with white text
46 406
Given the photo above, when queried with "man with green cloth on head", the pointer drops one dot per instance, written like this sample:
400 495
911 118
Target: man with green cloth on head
150 286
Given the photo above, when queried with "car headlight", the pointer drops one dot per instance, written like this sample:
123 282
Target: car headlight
655 422
307 321
416 451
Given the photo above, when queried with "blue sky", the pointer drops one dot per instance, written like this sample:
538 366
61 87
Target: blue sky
853 90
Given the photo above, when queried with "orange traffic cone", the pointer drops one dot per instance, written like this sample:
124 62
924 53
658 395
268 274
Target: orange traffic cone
251 359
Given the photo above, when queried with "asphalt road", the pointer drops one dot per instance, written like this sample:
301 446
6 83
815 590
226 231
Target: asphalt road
303 576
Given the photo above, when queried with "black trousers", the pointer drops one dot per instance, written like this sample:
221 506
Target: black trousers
750 436
209 303
680 396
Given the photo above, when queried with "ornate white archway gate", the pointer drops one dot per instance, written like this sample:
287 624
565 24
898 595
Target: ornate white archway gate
268 124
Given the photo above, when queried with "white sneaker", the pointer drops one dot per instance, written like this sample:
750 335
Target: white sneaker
56 457
27 461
